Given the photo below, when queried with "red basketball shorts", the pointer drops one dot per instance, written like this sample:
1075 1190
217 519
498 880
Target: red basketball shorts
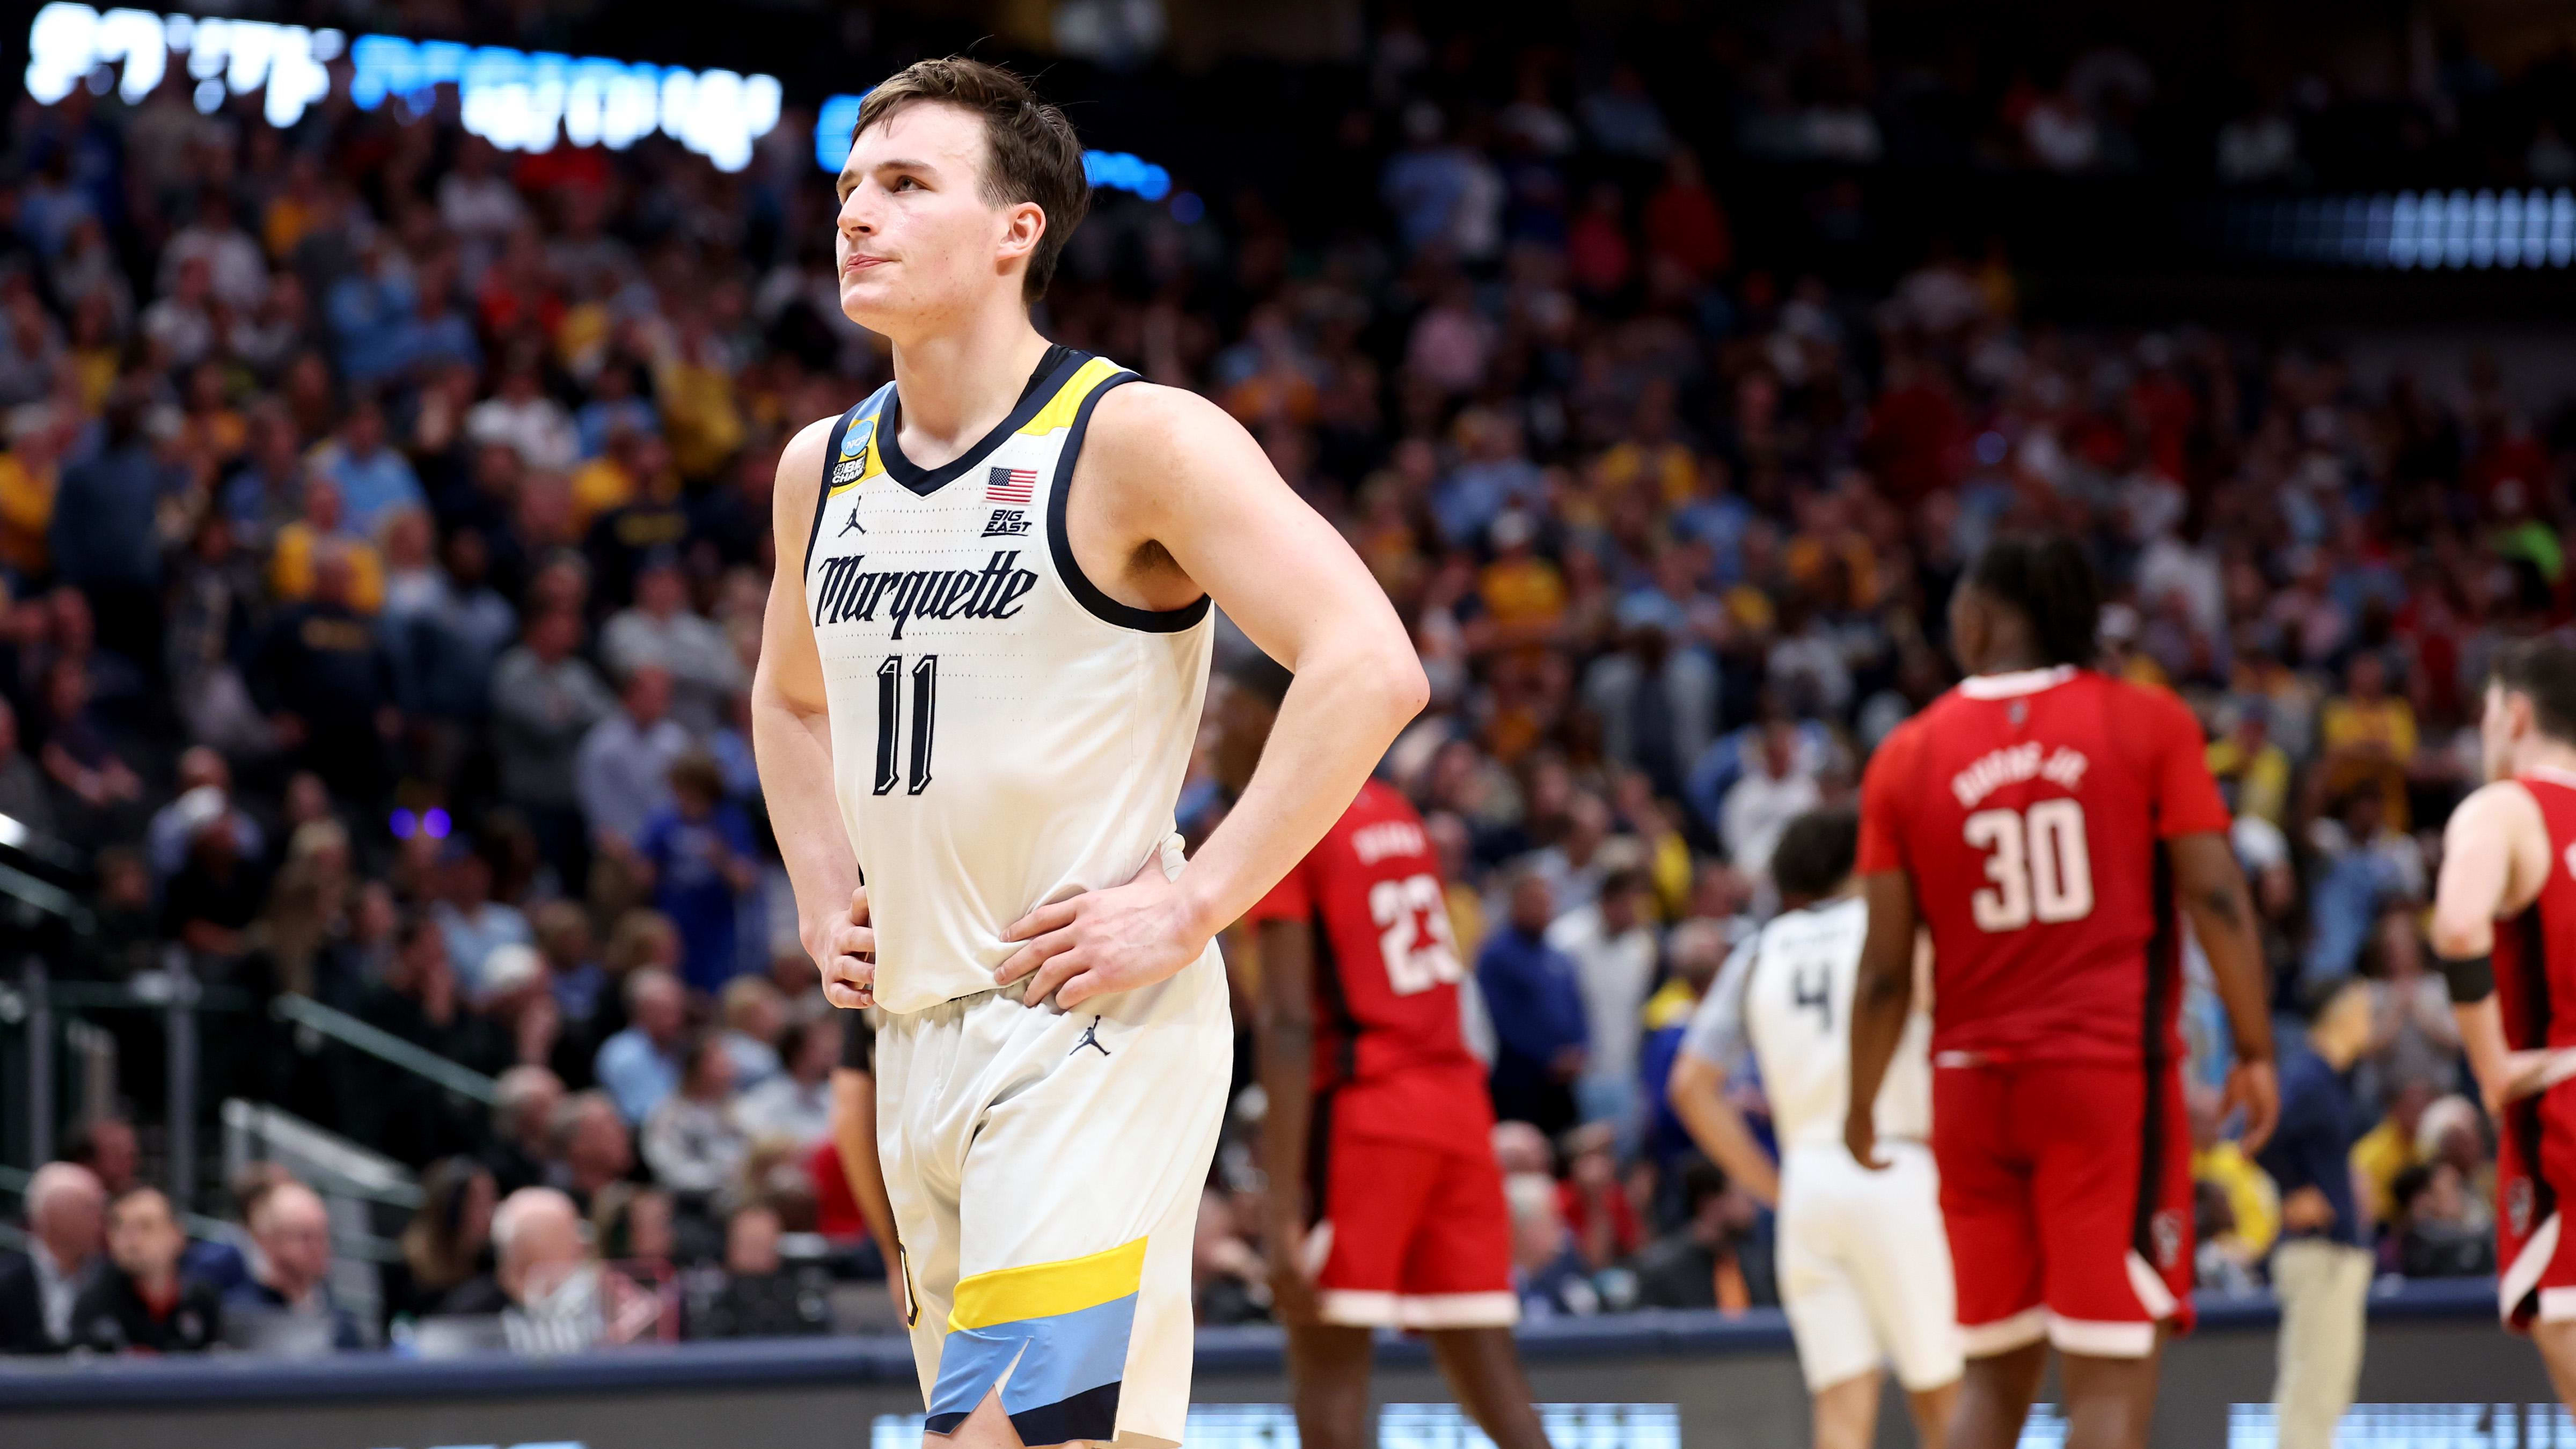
1410 1235
2066 1188
2535 1164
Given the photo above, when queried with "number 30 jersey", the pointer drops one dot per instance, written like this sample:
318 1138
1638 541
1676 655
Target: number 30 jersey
1786 993
2031 812
1003 734
1390 1060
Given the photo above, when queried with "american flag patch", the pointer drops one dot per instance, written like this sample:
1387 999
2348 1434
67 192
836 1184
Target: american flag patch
1011 485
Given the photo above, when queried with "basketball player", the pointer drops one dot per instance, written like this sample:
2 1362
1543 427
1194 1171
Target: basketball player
2504 929
986 647
1864 1269
1386 1206
2044 821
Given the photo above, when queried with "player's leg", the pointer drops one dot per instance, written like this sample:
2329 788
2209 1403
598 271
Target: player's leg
1820 1234
2115 1234
1483 1367
1456 1286
1995 1393
2110 1402
1902 1271
1079 1199
1369 1195
1933 1409
2557 1344
921 1131
1847 1412
1985 1197
1328 1376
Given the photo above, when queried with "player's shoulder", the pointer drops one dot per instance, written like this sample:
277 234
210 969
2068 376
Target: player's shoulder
800 468
1152 429
2498 804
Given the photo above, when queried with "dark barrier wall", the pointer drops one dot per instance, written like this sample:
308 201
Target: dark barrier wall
1733 1383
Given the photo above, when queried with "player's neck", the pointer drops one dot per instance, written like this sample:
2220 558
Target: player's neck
960 380
2541 755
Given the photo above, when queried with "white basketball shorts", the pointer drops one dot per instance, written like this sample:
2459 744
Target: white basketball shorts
1045 1169
1865 1266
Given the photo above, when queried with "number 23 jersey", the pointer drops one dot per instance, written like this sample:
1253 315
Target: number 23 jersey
1389 1053
1003 734
2031 811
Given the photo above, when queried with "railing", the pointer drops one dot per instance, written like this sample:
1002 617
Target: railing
384 1046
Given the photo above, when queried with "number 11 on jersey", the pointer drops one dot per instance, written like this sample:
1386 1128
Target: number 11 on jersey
925 706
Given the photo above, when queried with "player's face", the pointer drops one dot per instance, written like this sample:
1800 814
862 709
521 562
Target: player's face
915 240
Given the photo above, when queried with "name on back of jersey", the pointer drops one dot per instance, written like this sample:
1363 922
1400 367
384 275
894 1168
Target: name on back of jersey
1389 837
2014 764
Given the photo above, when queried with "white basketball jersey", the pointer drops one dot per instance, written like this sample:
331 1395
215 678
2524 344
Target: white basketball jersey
1003 734
1789 992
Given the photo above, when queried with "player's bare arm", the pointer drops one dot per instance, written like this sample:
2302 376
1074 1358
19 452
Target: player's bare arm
2495 853
1882 997
2211 888
1285 1046
1172 498
1698 1092
791 739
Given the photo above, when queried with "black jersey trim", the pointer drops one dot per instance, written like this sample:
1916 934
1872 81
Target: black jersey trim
1052 372
2164 970
832 459
1060 543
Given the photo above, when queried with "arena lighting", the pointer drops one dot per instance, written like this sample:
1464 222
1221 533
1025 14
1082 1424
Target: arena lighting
2412 230
517 100
1112 170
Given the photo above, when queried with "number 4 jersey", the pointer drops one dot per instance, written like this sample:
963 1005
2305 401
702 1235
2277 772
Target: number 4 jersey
2031 812
1003 733
1389 1056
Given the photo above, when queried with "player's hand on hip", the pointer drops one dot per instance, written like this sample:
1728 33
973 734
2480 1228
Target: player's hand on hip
2525 1072
1860 1138
1115 939
2252 1086
844 948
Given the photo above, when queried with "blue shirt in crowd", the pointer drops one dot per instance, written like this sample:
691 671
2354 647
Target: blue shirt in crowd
1531 995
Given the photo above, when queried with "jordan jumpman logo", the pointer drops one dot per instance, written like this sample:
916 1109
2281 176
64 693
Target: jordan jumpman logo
1090 1038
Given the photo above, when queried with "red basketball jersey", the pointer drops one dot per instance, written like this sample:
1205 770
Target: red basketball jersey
1389 1055
2535 949
2030 810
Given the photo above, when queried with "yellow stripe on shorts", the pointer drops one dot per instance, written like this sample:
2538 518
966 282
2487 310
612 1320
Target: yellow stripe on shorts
1044 1290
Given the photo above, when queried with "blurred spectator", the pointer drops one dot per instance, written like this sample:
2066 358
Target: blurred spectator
474 925
1226 1281
137 1303
1536 1003
22 787
1548 1271
2363 866
1613 949
755 1025
561 1299
291 1282
697 853
1713 1259
624 768
66 1235
523 1115
640 1065
2435 1232
691 1140
796 1103
108 1148
2387 1150
374 480
407 1116
761 1297
1765 799
174 825
1594 1203
631 1223
661 632
592 1146
102 538
545 702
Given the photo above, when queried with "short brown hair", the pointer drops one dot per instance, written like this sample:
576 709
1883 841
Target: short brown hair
2544 670
1031 153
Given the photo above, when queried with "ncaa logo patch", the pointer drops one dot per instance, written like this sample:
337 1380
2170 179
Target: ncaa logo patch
855 441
